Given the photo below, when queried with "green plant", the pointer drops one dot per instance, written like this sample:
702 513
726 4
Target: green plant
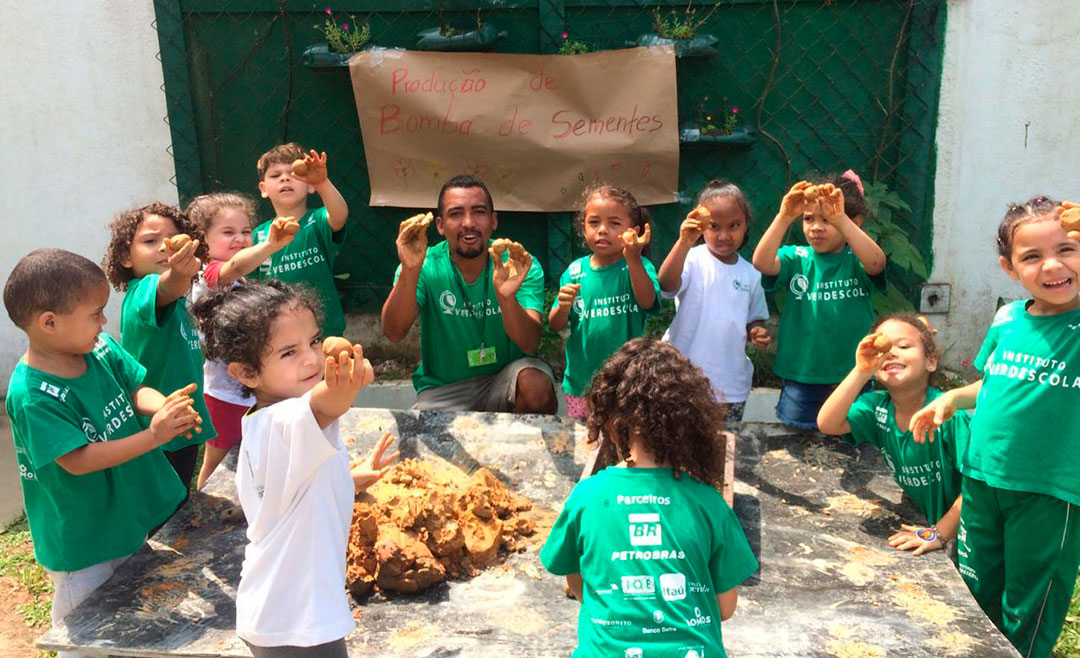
680 26
716 123
572 46
447 30
35 613
347 37
884 205
1068 644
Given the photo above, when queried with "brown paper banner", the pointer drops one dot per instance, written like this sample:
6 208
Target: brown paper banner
536 128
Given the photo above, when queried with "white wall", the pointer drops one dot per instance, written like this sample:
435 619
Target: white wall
1008 129
81 126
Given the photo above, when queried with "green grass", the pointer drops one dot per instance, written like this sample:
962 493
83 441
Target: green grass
1068 644
17 563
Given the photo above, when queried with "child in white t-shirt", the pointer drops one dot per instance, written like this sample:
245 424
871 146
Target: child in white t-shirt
293 474
719 302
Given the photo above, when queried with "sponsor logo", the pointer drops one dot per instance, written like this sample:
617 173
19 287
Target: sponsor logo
692 652
25 472
740 286
1074 326
645 529
658 616
700 588
802 252
673 586
55 391
647 555
612 588
639 585
881 414
633 652
698 619
799 284
448 301
609 622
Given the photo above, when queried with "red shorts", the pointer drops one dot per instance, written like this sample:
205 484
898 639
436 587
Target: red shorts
226 419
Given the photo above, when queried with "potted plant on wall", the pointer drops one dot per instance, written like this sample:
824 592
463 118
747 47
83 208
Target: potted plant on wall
715 127
680 29
480 37
342 42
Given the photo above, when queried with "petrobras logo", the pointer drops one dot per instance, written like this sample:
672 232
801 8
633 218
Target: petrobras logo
448 301
881 415
575 269
645 529
55 391
673 586
802 252
798 286
638 586
699 619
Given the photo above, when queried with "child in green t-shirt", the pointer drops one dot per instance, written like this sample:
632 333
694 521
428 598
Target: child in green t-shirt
649 547
604 297
830 290
152 257
901 354
286 177
93 480
1019 537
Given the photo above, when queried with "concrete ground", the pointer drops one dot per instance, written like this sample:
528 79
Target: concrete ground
10 491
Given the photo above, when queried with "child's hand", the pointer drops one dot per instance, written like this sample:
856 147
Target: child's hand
282 231
923 540
177 416
634 243
348 373
366 472
931 417
794 203
1069 214
184 262
872 352
312 169
693 227
567 295
412 241
508 276
831 203
759 337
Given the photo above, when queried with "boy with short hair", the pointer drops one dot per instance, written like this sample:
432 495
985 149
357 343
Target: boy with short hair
93 479
309 258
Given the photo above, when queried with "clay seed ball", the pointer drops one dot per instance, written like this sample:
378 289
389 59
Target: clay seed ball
812 193
701 212
1070 219
177 242
882 343
299 167
333 346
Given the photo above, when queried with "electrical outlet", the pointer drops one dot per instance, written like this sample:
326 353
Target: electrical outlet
935 298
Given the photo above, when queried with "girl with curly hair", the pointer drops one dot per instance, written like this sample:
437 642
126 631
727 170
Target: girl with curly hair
654 525
154 323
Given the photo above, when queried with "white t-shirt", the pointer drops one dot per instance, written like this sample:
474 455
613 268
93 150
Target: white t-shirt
713 305
297 493
217 382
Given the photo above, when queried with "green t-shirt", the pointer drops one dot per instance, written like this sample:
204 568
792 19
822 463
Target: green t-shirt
653 552
77 521
927 472
166 342
604 316
456 318
829 307
1025 435
309 259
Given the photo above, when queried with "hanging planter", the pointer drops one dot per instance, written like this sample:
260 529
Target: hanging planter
319 56
481 39
699 47
690 134
343 40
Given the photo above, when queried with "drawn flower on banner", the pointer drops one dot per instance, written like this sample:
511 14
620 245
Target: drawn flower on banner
476 168
403 168
504 172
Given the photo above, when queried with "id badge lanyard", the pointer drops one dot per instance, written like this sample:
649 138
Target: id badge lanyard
484 354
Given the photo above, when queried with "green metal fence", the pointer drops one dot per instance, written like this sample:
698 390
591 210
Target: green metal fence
823 85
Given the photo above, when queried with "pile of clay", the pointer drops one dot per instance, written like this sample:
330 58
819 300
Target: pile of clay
425 521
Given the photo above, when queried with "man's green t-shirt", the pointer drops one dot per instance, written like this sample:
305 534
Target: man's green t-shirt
927 472
166 342
309 259
828 308
1025 435
604 316
457 318
77 521
653 552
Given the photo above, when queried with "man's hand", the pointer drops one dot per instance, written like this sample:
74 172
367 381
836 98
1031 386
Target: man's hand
508 276
312 169
759 337
412 241
634 243
795 203
872 352
567 295
282 231
366 472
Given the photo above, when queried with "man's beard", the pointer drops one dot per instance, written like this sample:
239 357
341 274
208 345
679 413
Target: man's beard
470 252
